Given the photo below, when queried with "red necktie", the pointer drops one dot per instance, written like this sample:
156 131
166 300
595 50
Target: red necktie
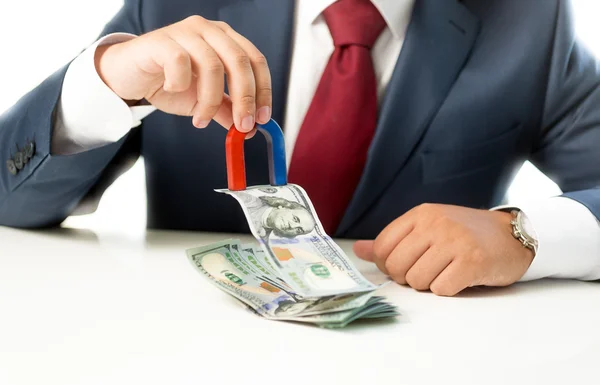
331 149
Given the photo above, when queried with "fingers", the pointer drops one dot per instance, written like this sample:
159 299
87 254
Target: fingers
224 115
454 279
426 269
240 76
210 80
176 64
364 250
391 236
404 256
201 53
260 68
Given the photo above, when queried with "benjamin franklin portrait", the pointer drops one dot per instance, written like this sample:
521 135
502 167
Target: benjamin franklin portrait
279 216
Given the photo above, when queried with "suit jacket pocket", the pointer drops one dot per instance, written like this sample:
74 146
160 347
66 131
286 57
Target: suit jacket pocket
443 164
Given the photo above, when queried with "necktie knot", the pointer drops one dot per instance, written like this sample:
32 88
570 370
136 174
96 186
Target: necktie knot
354 22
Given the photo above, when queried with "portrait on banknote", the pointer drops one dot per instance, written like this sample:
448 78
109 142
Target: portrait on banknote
282 217
284 222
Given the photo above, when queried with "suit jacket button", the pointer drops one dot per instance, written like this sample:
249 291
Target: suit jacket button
19 161
29 150
10 165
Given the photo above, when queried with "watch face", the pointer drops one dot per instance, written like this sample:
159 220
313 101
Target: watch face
527 227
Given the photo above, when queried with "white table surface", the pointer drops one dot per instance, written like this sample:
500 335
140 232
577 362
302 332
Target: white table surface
77 307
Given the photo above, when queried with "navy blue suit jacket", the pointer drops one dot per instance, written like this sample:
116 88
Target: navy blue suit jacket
480 86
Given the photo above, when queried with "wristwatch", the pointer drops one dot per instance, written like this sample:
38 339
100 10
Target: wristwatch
523 231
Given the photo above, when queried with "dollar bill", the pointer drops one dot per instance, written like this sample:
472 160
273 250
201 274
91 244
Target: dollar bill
325 304
340 318
229 266
298 273
258 260
284 222
219 263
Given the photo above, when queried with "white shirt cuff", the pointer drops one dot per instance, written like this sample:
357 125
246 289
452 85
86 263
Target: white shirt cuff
568 237
89 113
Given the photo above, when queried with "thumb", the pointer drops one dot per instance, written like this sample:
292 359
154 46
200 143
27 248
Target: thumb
364 250
225 115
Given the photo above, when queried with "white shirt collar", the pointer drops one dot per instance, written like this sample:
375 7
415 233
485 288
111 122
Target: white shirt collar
397 13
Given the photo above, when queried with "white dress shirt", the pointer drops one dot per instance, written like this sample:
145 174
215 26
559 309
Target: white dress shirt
90 115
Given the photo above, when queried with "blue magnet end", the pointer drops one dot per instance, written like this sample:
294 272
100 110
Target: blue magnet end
276 152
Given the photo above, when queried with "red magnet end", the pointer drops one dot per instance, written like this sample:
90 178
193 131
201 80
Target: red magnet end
234 155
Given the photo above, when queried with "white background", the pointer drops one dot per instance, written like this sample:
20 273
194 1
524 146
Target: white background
39 36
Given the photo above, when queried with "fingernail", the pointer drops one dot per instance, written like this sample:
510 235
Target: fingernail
264 114
200 123
247 124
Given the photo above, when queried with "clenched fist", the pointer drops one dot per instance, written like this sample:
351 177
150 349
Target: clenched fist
446 249
180 69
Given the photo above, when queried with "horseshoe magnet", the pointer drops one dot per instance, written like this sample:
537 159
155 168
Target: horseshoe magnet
234 155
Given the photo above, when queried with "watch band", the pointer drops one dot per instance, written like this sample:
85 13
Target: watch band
520 234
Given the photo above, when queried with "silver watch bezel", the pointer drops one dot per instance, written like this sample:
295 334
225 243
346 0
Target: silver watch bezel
519 232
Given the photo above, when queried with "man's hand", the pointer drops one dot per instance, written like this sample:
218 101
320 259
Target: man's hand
446 249
180 69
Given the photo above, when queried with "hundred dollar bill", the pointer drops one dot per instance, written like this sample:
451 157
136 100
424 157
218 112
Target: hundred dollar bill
341 318
265 260
267 298
364 313
257 259
341 302
284 221
372 310
261 269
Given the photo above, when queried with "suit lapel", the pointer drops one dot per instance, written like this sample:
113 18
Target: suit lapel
268 24
437 45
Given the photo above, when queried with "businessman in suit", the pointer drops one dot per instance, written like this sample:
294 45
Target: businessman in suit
404 120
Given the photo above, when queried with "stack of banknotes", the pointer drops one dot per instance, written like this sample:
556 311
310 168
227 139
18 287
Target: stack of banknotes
297 273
